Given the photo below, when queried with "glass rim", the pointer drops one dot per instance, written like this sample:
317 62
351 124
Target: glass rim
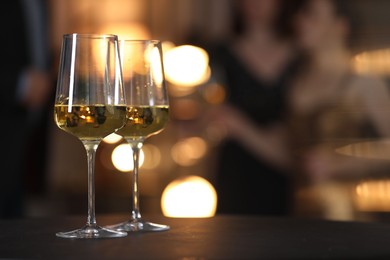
90 35
140 40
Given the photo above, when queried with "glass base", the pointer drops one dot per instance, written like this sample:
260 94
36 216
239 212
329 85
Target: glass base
92 231
138 225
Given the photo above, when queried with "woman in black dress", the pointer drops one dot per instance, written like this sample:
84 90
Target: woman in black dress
255 67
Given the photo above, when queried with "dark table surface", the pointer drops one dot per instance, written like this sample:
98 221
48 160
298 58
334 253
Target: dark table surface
220 237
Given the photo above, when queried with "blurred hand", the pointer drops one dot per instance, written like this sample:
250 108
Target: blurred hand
319 165
37 90
267 143
230 120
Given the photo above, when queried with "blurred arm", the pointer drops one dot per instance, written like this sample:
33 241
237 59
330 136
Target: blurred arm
266 143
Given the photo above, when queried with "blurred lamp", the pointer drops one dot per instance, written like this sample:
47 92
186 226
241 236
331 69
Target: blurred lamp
188 151
189 197
186 65
122 158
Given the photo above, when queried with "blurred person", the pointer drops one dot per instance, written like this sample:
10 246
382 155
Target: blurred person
25 95
254 66
328 106
328 100
332 106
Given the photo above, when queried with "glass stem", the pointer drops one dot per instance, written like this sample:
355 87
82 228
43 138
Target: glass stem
91 147
136 146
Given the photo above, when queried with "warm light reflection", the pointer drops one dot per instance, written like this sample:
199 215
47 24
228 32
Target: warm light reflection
189 197
122 158
187 65
188 151
112 138
156 65
373 195
373 62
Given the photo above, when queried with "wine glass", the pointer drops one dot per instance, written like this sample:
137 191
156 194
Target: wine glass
147 112
89 105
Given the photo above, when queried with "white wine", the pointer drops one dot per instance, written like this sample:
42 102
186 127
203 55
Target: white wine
144 121
90 122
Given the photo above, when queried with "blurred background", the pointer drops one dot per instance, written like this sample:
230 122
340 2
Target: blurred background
227 72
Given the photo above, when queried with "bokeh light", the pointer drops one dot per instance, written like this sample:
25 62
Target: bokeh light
214 93
188 151
187 65
156 66
375 62
152 156
373 195
189 197
122 158
112 138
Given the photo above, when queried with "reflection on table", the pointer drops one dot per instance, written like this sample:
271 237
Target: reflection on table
220 237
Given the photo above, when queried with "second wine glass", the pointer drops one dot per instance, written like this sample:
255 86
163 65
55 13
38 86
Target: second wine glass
147 112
